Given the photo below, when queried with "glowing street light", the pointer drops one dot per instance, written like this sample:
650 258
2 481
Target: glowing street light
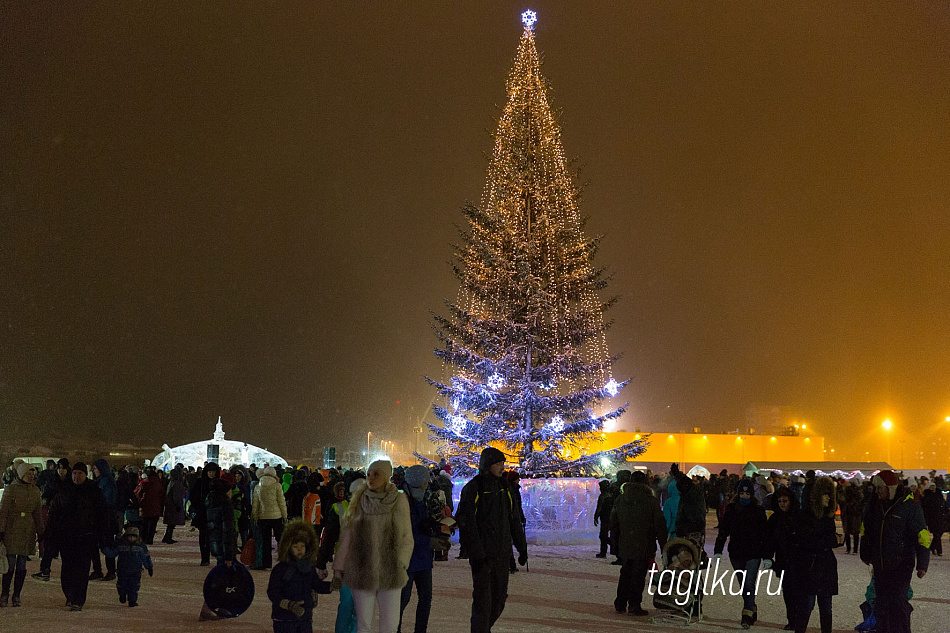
887 425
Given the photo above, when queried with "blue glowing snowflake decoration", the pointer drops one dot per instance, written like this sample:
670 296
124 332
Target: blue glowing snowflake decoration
496 382
529 17
612 387
457 424
556 425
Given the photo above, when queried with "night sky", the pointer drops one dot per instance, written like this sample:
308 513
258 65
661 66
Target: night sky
247 209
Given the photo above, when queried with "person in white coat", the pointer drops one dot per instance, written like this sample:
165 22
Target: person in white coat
269 509
375 549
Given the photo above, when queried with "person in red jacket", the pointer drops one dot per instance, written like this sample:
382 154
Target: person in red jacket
151 496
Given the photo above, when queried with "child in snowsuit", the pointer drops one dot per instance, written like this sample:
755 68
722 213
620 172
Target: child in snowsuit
293 581
133 557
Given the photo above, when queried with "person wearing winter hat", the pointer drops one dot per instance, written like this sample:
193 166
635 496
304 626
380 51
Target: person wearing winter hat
21 519
269 509
488 527
78 523
745 526
197 493
425 526
222 527
375 548
894 542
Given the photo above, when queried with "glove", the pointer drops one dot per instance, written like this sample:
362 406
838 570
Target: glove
151 572
337 581
523 558
767 563
293 606
322 574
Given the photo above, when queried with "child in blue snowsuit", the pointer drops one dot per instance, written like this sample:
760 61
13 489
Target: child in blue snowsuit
133 557
293 581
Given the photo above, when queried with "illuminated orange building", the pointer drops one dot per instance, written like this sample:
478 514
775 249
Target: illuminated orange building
689 449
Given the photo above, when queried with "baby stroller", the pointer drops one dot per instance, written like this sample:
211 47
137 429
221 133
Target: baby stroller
678 596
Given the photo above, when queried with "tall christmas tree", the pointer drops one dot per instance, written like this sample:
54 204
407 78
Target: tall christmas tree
525 340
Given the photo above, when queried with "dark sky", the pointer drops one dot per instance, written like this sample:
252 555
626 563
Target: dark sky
246 209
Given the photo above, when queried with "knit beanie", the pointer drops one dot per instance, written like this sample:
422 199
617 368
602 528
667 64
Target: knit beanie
417 475
886 479
21 470
80 466
490 456
384 466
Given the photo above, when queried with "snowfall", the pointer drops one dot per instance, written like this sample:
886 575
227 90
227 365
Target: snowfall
564 589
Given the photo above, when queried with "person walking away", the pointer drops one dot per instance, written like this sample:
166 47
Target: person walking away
151 496
488 527
292 587
745 526
222 527
21 519
334 522
79 522
782 526
814 558
637 521
375 549
196 495
133 558
312 502
671 506
425 526
269 509
894 541
52 489
605 503
102 474
851 516
690 520
935 513
173 514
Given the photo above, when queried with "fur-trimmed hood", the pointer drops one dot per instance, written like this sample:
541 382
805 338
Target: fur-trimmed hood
823 486
298 531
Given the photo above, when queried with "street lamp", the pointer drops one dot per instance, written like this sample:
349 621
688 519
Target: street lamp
887 425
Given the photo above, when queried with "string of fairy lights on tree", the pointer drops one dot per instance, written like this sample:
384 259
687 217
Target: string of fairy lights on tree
526 338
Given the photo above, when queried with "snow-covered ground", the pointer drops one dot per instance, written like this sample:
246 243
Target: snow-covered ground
565 590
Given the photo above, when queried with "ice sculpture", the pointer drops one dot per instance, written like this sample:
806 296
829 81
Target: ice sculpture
225 452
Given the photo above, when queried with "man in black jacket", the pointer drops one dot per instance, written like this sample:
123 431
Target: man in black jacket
78 524
198 493
488 525
894 541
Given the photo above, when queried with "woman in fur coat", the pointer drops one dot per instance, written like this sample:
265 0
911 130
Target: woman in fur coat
814 562
375 548
293 581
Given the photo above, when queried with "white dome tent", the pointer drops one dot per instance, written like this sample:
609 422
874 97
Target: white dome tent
225 452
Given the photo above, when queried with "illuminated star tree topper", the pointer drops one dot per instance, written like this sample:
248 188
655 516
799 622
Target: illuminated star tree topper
526 366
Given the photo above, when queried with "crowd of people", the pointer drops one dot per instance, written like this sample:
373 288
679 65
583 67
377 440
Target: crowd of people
785 523
383 530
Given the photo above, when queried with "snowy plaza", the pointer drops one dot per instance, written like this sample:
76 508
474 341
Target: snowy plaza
565 590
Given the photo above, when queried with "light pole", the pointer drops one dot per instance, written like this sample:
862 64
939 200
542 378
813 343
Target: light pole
368 457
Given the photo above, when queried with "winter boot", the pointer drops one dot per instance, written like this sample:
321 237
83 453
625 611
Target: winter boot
747 621
18 579
42 575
